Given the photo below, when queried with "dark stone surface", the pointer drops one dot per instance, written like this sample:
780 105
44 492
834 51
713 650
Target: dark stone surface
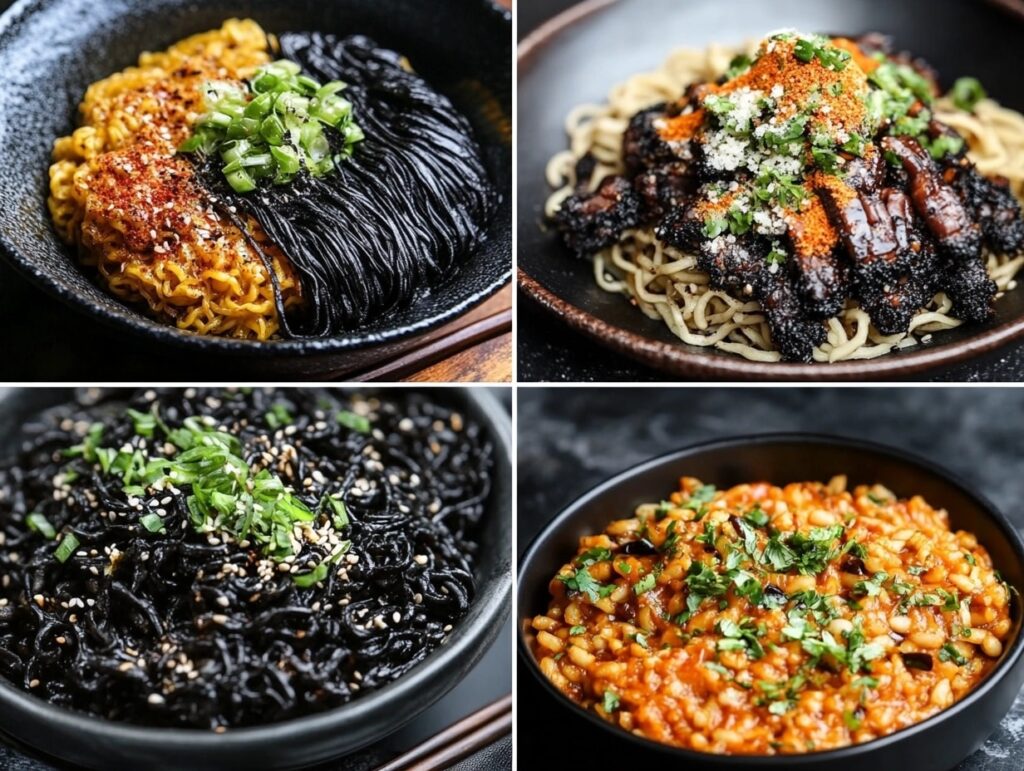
489 681
548 350
571 439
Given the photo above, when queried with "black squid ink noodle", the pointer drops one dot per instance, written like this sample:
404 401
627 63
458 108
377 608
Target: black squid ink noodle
396 216
215 559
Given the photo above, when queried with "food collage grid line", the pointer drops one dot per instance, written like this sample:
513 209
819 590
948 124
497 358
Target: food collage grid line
396 385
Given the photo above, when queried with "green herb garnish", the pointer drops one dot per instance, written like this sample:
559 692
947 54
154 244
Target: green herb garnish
967 92
273 126
67 546
38 523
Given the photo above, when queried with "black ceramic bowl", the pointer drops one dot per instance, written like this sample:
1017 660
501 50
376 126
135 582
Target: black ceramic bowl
51 50
580 55
936 744
96 743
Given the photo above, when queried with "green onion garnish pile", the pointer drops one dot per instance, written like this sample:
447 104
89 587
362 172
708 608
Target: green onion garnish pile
228 497
273 126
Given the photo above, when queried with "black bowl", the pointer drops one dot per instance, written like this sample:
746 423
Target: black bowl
936 744
51 50
578 56
95 743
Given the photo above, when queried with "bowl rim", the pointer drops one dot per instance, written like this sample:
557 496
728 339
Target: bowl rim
528 562
680 359
466 642
126 318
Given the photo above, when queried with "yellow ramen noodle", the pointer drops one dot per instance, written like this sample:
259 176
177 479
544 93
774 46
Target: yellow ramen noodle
119 193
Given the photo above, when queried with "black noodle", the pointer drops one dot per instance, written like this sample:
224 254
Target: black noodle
177 628
397 216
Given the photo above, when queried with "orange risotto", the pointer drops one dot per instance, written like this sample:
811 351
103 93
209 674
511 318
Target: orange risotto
132 206
765 620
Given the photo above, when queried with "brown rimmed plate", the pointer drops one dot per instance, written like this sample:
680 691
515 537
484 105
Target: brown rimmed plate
579 55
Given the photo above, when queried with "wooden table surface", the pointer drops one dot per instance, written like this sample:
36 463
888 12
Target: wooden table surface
489 360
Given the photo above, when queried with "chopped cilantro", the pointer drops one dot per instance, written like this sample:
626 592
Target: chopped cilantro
756 516
738 66
645 584
610 702
948 652
581 581
591 556
714 227
871 587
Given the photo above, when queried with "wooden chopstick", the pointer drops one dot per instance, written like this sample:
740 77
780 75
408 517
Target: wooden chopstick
460 339
456 742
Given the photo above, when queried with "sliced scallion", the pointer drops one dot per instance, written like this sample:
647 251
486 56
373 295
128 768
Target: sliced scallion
280 108
67 546
152 523
40 524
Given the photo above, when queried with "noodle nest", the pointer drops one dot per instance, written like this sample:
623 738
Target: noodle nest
131 206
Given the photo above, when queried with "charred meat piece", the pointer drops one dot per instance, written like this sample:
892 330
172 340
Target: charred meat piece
969 287
937 202
994 206
662 190
823 284
642 146
584 171
739 265
731 262
591 221
890 306
793 334
868 235
892 303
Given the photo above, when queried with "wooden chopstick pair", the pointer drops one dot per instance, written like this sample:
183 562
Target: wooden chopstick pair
458 741
465 337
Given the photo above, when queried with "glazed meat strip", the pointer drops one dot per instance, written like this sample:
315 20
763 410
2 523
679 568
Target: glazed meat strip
937 202
891 305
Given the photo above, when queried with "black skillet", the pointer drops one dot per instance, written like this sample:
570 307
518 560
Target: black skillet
51 50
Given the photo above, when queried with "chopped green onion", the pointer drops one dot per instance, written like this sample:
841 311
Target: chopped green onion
67 546
316 575
240 181
354 422
40 524
152 523
280 108
340 517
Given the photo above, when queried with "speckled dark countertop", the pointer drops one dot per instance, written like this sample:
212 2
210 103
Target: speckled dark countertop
549 351
571 439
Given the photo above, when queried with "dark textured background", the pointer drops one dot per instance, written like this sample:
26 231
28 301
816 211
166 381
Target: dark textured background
570 439
548 350
489 681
